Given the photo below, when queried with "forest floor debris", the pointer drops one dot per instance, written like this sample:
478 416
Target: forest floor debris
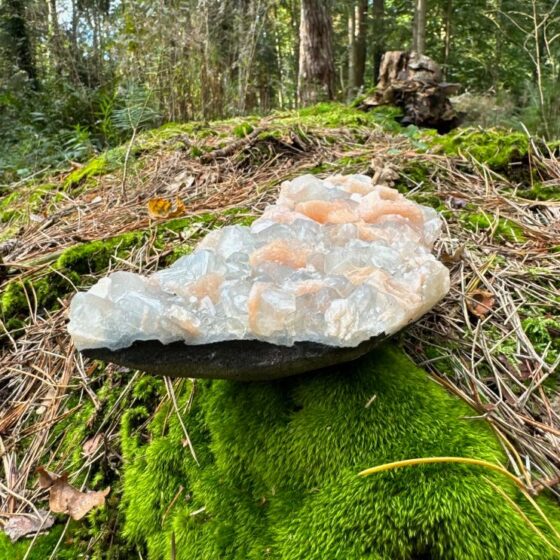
503 359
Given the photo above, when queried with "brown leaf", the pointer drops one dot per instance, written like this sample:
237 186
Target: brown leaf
480 303
22 525
161 208
92 445
64 498
46 478
454 257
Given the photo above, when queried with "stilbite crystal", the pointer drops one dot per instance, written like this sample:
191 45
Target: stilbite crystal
335 261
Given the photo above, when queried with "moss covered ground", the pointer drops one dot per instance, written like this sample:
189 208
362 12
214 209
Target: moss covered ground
278 473
277 464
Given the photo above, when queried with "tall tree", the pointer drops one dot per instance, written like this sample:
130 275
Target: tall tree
378 36
359 44
419 27
19 42
316 63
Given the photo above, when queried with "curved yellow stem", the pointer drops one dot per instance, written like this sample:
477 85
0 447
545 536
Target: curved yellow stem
430 460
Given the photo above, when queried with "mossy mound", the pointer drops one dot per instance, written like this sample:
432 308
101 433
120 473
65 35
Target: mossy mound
497 148
279 463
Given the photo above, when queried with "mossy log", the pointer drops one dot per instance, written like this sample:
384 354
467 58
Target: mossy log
278 463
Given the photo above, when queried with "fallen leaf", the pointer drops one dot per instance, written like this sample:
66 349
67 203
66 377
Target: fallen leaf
22 525
64 498
454 257
180 208
159 208
162 208
46 478
480 303
92 445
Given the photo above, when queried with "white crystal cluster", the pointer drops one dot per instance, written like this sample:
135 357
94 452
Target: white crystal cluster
335 261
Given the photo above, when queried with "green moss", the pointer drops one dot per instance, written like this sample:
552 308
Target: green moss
543 330
542 191
415 172
270 135
502 228
278 465
16 207
7 207
345 162
41 549
338 115
96 255
13 299
242 129
102 164
195 151
494 147
19 298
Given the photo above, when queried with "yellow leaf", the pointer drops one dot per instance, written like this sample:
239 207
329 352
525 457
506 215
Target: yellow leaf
159 208
162 208
180 208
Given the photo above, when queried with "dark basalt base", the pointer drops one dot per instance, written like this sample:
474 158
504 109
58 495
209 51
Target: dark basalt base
241 360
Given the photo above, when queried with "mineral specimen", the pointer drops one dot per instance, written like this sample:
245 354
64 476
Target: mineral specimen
334 261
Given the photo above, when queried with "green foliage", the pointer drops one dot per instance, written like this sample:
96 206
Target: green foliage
278 472
136 111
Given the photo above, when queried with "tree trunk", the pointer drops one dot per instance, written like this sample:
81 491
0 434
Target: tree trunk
378 36
351 89
360 48
316 64
419 28
448 10
15 27
54 54
413 82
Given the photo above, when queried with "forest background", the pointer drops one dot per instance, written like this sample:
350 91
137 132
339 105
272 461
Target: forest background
80 76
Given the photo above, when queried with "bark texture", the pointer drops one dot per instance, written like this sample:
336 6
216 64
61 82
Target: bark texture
378 35
360 43
316 63
414 83
419 29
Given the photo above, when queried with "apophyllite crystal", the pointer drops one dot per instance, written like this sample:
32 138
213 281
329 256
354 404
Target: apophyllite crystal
335 261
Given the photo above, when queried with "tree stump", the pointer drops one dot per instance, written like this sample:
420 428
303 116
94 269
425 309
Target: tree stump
414 83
